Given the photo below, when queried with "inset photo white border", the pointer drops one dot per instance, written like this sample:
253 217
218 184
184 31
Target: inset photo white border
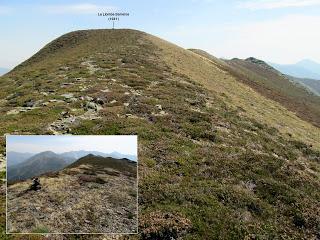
44 169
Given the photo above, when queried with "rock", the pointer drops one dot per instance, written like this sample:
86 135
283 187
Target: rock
126 93
99 101
67 95
113 101
45 104
105 90
64 68
126 104
91 105
159 107
70 100
88 98
29 103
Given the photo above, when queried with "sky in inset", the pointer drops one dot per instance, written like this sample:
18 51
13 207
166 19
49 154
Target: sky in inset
125 144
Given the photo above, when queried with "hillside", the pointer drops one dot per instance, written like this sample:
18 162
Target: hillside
311 84
272 84
36 165
87 199
218 159
123 165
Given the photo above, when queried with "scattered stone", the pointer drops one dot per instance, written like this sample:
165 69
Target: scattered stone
92 106
88 98
64 68
159 107
45 104
70 100
113 80
126 104
67 95
29 103
99 101
105 90
18 110
113 101
126 93
67 84
56 101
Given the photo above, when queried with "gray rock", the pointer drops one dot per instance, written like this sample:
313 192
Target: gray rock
67 95
99 101
29 103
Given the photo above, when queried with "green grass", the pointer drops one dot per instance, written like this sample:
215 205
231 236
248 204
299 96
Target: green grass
196 161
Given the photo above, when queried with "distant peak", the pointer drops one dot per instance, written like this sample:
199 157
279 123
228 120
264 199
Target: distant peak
47 152
306 61
255 60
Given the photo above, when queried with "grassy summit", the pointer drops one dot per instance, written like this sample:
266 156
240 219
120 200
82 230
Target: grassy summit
217 160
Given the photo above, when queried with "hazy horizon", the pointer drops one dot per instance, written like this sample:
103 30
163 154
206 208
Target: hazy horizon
123 144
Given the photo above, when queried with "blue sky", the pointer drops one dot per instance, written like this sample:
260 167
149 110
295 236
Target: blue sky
59 144
282 31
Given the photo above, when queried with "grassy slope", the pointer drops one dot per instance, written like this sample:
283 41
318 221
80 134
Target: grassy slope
273 85
310 84
215 160
77 200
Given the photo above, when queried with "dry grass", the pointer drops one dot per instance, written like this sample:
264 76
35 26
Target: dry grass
74 203
236 94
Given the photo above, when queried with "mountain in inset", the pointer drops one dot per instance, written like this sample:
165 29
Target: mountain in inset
82 153
14 158
36 165
123 164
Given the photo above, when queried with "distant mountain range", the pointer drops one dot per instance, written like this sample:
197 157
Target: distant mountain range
36 165
15 158
82 153
22 166
303 69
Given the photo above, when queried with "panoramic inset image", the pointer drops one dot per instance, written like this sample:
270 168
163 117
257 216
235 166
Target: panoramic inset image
72 184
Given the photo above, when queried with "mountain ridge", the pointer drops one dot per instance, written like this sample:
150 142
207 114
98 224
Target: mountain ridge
217 159
303 69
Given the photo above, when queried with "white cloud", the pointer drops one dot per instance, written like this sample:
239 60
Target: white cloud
82 8
273 4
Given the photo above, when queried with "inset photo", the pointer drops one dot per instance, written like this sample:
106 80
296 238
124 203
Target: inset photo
72 184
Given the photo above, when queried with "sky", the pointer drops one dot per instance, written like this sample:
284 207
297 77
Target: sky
59 144
280 31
